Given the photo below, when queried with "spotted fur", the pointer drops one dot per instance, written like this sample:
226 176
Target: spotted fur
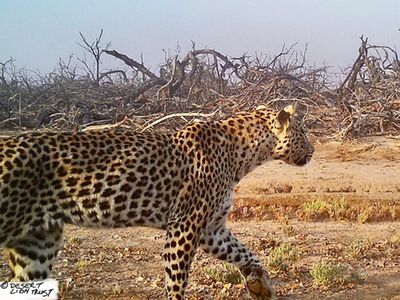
181 182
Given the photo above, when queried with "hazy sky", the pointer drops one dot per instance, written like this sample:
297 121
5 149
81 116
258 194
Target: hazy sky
36 33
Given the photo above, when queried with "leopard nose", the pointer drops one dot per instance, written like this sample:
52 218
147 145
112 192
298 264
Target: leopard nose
311 149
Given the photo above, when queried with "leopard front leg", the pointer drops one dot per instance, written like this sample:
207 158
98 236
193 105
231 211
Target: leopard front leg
179 249
222 244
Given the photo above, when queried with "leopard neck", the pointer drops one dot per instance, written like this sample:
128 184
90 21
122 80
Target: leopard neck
251 140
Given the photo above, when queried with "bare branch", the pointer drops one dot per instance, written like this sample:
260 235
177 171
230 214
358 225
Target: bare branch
178 115
132 63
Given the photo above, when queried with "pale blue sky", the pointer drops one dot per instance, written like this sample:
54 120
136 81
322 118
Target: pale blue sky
37 32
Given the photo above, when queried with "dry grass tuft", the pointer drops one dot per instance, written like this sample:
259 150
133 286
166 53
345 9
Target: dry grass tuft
356 250
225 273
329 274
282 257
82 264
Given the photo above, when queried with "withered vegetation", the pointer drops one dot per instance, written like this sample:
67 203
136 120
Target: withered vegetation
204 83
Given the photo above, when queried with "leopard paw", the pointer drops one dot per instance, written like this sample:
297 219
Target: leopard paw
259 285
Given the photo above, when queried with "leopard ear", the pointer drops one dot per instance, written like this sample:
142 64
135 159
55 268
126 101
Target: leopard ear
292 109
260 107
282 118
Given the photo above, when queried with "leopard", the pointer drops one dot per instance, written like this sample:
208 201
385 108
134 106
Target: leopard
179 181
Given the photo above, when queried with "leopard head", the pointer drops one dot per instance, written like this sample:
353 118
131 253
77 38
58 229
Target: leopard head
292 145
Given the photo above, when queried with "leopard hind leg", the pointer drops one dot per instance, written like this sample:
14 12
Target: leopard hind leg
31 256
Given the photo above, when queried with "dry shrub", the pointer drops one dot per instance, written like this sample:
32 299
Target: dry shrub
207 82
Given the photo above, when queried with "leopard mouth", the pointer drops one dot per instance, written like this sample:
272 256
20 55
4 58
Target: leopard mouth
303 160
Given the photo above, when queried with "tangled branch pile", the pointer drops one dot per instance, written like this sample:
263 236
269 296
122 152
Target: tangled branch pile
370 94
204 83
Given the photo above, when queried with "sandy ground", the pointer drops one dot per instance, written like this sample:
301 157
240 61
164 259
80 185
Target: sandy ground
362 235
